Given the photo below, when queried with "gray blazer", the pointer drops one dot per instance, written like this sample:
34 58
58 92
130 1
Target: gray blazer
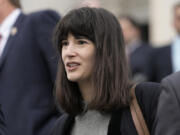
168 114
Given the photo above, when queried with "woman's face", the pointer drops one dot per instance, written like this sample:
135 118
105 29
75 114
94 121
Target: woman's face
78 57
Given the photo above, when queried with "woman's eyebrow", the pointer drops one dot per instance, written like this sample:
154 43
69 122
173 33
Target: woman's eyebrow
80 37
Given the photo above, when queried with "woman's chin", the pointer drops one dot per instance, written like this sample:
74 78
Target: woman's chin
72 78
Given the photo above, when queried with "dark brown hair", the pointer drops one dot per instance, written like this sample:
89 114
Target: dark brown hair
15 3
132 21
110 72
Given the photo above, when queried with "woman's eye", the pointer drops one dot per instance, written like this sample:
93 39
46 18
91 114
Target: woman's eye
64 43
81 42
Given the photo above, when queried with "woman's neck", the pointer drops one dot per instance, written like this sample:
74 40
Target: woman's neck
86 89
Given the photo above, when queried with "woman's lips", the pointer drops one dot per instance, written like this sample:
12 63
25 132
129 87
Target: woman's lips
71 66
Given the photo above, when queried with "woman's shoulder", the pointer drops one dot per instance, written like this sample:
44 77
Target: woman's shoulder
147 94
148 90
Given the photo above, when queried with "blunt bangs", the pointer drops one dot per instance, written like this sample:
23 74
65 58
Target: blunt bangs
78 23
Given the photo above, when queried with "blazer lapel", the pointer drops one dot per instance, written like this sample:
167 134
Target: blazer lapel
63 125
68 126
12 37
114 124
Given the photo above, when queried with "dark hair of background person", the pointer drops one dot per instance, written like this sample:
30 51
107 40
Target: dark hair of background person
142 27
110 72
177 5
16 3
133 22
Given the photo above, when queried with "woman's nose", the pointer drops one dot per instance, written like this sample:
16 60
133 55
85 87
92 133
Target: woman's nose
70 50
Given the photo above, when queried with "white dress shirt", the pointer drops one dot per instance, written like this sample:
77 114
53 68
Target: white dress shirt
6 27
175 48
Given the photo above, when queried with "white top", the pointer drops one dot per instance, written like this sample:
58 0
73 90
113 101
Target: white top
6 26
175 48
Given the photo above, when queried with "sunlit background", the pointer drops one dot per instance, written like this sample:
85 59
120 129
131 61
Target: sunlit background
154 15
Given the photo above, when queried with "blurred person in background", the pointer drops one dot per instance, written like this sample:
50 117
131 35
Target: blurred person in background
93 86
167 59
28 63
138 52
168 112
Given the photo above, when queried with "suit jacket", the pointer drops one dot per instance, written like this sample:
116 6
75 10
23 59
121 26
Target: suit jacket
141 63
162 64
168 114
121 122
27 74
2 123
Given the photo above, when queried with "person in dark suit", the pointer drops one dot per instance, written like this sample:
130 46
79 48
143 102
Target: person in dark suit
167 59
138 52
93 87
3 129
168 114
162 64
28 63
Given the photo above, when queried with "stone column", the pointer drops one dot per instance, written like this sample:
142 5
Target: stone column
161 29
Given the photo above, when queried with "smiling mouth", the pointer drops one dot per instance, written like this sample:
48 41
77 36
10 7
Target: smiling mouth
72 66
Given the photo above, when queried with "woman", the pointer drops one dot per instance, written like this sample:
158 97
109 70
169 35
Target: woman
93 87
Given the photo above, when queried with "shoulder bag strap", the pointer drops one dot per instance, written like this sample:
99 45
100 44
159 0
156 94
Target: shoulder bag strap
137 115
